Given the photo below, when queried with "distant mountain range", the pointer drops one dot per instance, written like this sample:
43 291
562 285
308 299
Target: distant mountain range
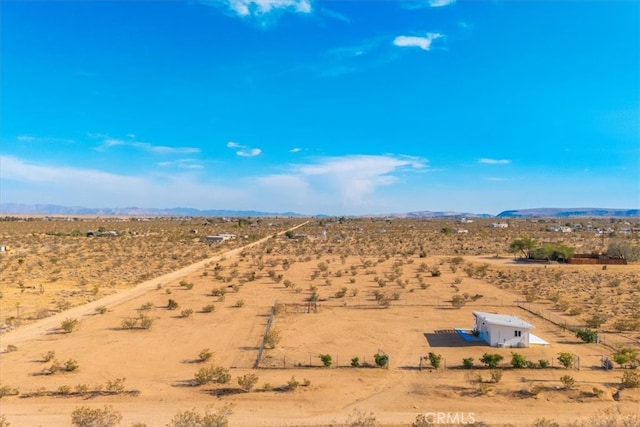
15 208
569 212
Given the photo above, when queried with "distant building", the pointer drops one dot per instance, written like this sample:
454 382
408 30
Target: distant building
499 225
219 238
501 330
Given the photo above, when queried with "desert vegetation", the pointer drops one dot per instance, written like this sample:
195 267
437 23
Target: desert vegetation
342 307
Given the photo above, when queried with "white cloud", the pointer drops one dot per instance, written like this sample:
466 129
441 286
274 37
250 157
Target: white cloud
440 3
251 152
423 43
295 150
350 179
108 142
486 161
247 8
243 150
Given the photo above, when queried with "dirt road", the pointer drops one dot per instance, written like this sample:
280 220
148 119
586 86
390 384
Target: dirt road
46 325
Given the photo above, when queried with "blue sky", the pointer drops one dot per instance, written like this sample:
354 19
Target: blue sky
334 107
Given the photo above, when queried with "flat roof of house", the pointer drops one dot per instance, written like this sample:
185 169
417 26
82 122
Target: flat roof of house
503 320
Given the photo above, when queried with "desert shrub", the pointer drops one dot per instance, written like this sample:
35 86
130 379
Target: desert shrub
208 308
566 359
85 416
272 338
543 422
212 374
101 310
341 293
595 321
496 375
518 361
631 379
210 418
491 360
69 325
204 355
247 381
186 312
48 356
625 356
292 384
467 362
567 381
458 301
239 303
146 306
382 360
587 335
434 359
362 419
115 386
172 304
3 421
71 365
326 359
6 390
145 322
543 363
355 362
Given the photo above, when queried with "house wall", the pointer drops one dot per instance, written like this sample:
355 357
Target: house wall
505 336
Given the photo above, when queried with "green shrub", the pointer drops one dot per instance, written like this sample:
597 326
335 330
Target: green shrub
566 359
491 360
326 359
210 418
587 335
355 362
204 355
567 381
467 363
172 304
382 360
631 379
518 361
434 359
543 363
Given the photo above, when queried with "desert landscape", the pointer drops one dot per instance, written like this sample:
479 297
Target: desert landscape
311 322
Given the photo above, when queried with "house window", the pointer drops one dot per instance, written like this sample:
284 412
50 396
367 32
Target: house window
518 333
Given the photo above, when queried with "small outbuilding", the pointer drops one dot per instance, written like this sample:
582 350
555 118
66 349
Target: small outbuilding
501 330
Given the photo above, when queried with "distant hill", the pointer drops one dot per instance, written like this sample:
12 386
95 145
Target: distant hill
24 209
440 214
569 212
15 208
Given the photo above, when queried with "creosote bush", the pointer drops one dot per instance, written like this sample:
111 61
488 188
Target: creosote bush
85 416
247 381
69 325
212 374
210 418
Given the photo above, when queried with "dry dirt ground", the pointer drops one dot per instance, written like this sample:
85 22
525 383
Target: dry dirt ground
369 295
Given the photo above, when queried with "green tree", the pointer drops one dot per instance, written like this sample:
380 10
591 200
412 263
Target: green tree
524 245
382 360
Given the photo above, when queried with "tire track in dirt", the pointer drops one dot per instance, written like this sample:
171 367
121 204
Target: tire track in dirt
44 326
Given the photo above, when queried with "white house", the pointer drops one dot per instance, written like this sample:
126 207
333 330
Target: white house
499 225
501 330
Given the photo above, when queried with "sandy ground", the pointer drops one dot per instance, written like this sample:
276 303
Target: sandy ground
160 363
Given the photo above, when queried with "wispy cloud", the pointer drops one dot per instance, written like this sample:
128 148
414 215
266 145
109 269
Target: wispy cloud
423 43
260 8
352 178
440 3
108 142
486 161
295 150
192 164
335 15
243 150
